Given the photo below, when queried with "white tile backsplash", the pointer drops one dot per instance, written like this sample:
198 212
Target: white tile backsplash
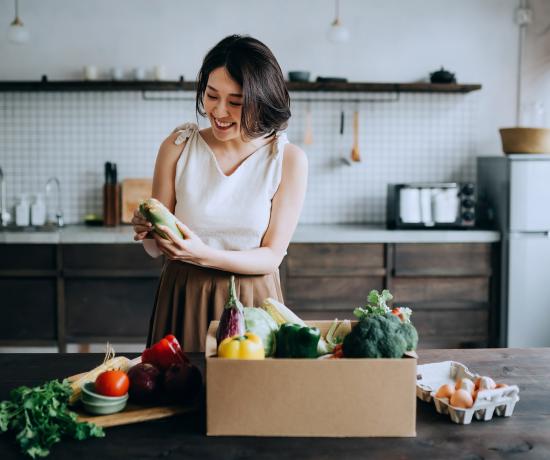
419 137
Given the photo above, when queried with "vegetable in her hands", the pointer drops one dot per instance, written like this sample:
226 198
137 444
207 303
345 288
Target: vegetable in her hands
40 417
158 214
296 341
247 346
232 319
259 322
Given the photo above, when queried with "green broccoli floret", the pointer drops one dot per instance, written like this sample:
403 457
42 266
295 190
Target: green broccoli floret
410 335
406 328
375 337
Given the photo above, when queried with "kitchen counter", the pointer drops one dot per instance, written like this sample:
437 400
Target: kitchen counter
524 435
306 233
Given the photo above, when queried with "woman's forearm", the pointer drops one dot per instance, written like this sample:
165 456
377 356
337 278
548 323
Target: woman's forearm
258 261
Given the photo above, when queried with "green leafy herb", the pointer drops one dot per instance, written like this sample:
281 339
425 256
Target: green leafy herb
377 304
40 417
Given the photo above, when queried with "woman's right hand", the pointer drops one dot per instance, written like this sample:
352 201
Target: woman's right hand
142 226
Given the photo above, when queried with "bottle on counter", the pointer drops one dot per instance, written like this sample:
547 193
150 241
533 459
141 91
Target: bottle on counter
22 211
38 210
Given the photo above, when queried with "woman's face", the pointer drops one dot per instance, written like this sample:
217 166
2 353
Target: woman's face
223 104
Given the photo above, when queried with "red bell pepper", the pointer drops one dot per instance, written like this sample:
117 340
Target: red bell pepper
165 352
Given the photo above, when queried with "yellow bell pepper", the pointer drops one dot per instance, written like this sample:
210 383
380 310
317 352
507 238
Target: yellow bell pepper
247 346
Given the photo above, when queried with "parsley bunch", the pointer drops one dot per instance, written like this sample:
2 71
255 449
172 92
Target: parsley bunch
40 417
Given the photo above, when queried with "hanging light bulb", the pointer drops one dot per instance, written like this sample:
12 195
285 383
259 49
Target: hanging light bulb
337 32
17 32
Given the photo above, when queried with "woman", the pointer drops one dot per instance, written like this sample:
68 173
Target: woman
238 187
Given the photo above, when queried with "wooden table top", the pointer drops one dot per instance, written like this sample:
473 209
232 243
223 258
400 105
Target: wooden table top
525 435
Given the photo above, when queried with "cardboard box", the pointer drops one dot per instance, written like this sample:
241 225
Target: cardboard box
309 397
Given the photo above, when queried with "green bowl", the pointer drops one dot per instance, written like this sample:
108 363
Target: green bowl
103 408
89 395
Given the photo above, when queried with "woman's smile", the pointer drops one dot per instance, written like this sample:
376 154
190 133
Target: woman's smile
222 125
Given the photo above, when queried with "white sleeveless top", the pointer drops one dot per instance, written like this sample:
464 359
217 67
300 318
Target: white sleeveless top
226 212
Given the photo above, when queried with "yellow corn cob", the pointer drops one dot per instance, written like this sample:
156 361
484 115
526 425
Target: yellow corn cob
158 214
280 313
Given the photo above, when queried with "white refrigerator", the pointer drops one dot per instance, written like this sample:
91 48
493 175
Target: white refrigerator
515 190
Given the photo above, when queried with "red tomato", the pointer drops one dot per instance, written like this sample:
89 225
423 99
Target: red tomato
112 383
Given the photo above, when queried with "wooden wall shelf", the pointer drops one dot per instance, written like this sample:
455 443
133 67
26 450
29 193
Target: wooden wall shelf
350 87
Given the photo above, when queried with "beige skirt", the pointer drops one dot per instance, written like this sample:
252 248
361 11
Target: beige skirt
189 297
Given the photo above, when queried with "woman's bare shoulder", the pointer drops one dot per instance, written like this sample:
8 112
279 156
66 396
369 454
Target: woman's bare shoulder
294 155
169 150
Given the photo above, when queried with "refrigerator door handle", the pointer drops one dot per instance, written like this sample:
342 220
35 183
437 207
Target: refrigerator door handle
516 235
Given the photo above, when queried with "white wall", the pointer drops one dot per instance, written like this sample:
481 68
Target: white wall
536 65
392 40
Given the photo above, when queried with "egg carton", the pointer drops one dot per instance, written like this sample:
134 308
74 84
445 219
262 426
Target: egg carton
500 401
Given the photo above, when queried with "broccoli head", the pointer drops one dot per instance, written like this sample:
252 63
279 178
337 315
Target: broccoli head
410 335
406 328
376 337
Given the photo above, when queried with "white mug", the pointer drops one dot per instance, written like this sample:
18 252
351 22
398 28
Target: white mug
445 205
139 73
117 73
426 206
159 72
90 72
409 205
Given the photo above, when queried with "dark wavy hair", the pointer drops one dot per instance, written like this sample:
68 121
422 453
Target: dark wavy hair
266 103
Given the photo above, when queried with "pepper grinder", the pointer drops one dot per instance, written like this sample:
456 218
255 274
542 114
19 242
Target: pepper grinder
111 196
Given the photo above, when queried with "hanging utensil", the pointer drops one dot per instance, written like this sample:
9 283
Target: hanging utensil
308 136
343 157
355 155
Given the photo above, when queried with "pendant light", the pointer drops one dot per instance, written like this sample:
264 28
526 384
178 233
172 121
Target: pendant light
17 32
337 32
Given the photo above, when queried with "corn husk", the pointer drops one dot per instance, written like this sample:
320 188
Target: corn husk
158 214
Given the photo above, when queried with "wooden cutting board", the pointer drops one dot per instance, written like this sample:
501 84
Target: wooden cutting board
133 191
132 413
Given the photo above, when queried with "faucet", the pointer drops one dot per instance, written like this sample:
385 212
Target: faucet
58 213
4 214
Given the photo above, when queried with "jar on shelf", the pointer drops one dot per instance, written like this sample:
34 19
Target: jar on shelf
22 211
38 210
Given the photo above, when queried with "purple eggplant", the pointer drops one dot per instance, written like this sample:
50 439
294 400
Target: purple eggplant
232 320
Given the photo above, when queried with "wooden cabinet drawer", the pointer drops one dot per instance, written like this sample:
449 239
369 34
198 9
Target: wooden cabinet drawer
417 292
325 259
28 256
451 328
109 308
446 259
326 314
329 293
29 309
131 257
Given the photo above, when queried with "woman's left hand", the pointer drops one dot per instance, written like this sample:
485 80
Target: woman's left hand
190 249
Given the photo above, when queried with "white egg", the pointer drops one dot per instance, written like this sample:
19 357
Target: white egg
487 383
467 384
